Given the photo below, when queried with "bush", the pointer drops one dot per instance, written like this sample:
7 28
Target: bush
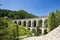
9 30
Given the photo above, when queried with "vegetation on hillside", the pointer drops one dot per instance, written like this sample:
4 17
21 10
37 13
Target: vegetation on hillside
9 30
21 14
53 20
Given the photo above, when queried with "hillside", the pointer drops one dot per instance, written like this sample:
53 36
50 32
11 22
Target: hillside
21 14
10 30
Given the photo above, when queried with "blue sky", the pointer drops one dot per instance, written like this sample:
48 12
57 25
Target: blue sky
36 7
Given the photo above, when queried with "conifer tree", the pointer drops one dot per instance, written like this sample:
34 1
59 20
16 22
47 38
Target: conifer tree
51 22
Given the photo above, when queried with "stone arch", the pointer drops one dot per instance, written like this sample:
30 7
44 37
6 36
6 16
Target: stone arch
46 23
29 23
33 30
34 23
15 22
19 23
45 31
24 23
39 31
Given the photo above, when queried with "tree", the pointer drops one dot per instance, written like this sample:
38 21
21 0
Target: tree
57 14
51 22
3 30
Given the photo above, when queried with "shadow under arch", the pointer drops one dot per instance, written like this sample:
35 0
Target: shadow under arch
19 23
24 23
15 22
29 23
34 23
40 23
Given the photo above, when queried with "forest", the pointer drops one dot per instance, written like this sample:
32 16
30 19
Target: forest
21 14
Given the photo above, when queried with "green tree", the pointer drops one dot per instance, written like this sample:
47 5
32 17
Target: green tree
57 14
51 22
3 30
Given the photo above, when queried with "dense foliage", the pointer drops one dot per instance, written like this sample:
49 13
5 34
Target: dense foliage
21 14
53 20
57 14
10 30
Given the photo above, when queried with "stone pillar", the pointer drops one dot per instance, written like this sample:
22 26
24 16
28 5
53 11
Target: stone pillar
31 29
26 24
22 23
31 23
42 31
43 28
43 23
17 22
37 23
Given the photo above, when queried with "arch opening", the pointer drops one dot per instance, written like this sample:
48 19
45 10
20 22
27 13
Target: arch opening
24 23
28 28
19 23
45 31
40 23
15 22
34 23
29 24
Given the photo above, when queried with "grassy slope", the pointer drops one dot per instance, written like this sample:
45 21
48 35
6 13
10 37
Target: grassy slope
22 30
12 27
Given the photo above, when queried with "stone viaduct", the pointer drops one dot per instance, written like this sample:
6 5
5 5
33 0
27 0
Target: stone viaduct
32 23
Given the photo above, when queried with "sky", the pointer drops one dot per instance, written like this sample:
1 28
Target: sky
36 7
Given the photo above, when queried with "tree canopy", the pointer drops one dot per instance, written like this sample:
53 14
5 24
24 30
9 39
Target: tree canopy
53 20
8 30
21 14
